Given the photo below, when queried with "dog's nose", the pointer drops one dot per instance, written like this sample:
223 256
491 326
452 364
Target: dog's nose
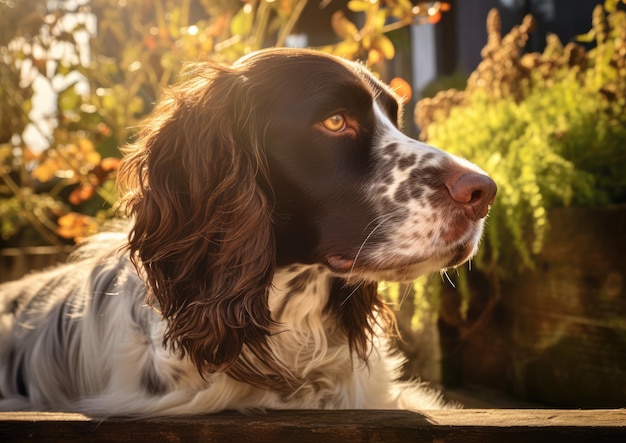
474 191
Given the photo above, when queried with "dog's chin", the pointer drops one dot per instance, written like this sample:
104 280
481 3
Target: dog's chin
399 268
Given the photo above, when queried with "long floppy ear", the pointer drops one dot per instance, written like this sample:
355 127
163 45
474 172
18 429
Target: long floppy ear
360 309
202 231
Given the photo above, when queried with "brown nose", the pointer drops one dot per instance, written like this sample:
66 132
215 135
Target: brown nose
474 191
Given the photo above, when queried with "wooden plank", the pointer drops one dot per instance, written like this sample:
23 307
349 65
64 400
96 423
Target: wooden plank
454 426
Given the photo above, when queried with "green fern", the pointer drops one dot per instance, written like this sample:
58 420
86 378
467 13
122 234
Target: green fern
549 128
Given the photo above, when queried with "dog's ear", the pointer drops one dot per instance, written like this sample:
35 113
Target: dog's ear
196 184
360 310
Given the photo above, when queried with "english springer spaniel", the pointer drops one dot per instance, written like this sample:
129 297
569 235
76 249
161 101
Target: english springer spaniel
266 201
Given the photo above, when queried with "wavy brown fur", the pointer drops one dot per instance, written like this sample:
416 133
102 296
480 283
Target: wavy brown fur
359 309
202 232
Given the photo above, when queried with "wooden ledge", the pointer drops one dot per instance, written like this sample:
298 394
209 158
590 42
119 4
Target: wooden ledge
466 426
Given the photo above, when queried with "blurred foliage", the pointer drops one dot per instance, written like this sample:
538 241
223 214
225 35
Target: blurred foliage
549 127
54 195
413 297
457 80
105 63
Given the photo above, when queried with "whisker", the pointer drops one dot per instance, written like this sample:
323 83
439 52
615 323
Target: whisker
385 218
406 294
444 272
351 293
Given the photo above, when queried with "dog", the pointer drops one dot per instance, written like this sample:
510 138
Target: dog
264 201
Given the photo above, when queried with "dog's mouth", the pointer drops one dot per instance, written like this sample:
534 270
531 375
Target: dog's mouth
363 268
456 242
339 263
400 268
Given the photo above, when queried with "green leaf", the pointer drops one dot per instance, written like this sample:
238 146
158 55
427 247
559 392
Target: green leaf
242 22
588 37
64 69
342 26
69 100
385 46
359 5
611 5
136 105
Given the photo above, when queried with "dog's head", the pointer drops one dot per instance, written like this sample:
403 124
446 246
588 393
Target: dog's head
288 156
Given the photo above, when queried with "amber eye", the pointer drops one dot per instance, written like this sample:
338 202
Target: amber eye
335 123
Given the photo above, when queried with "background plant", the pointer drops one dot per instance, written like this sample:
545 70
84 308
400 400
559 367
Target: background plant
549 127
104 63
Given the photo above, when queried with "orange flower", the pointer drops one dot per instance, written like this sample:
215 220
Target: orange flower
84 192
30 155
150 42
103 129
75 226
47 170
401 87
110 163
434 18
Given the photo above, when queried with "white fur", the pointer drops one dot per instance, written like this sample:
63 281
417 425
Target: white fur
96 365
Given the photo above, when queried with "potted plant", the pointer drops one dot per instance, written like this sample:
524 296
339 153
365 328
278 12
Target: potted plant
542 313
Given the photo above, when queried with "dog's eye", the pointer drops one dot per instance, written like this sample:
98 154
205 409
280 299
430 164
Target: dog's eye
335 123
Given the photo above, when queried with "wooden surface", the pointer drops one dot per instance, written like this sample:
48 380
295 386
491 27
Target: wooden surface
467 426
